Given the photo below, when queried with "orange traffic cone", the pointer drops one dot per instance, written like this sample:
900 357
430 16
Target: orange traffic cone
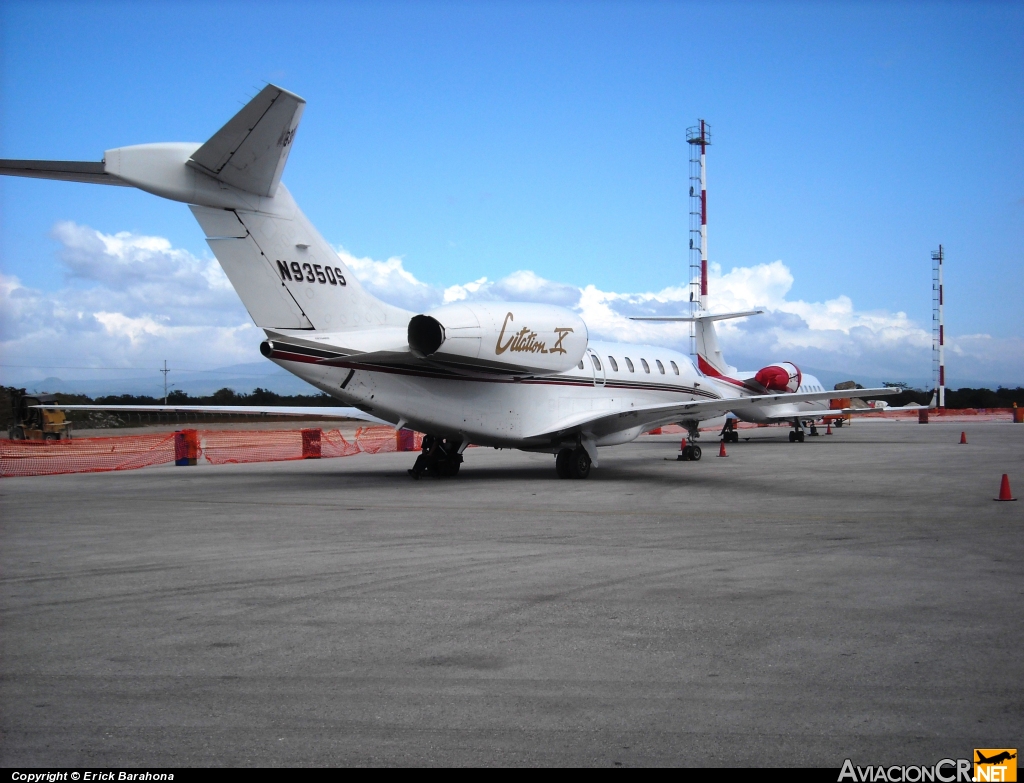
721 449
963 438
1004 489
828 428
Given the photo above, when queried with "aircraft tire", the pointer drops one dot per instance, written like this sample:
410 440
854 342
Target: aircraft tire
792 437
800 437
579 463
562 463
695 453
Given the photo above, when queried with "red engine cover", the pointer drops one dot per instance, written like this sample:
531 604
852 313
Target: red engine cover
781 377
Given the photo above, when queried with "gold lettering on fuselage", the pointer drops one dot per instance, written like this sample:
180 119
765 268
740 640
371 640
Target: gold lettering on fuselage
562 332
525 340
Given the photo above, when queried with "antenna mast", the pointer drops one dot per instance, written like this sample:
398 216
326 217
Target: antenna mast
165 371
698 137
938 327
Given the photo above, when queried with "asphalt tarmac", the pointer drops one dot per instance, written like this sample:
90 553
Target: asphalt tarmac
858 595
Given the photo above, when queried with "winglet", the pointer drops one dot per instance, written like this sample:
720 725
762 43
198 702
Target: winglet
251 150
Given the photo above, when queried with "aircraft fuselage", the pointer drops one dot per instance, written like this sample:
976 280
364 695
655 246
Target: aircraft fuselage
509 412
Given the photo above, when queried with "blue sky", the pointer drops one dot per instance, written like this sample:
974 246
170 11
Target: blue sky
487 139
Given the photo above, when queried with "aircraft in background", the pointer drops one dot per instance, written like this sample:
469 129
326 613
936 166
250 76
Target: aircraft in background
783 377
513 375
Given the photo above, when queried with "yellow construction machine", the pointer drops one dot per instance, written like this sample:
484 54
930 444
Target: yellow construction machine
32 423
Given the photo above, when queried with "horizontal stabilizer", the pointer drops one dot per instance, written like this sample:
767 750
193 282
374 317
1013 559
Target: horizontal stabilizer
705 317
251 150
67 170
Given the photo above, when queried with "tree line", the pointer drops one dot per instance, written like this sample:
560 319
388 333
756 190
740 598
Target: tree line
89 419
962 398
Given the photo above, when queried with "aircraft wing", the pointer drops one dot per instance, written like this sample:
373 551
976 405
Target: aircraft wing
667 413
836 412
230 410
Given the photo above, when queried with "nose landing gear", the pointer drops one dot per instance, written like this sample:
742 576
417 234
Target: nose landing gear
689 450
441 458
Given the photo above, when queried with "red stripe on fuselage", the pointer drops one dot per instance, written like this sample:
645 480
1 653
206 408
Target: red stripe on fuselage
706 367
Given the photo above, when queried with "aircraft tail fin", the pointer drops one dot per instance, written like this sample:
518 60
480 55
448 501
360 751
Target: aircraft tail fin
286 274
251 150
284 271
709 354
708 351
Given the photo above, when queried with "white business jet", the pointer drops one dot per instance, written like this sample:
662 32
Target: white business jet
512 375
784 377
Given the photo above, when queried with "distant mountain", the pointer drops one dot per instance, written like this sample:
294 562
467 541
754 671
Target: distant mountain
240 377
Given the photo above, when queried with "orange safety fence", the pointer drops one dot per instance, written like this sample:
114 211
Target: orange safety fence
216 447
88 455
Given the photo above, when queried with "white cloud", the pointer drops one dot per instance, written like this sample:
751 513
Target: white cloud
128 301
458 293
392 282
832 335
132 300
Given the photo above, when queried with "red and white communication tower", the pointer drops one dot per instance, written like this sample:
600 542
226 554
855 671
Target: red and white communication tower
698 137
938 328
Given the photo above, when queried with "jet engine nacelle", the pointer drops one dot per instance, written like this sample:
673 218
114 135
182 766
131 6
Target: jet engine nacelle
519 338
780 377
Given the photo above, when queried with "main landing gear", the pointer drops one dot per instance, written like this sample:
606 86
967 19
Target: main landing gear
797 434
440 458
729 434
572 463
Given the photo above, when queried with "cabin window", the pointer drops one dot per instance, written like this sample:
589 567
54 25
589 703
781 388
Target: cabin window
629 364
580 365
675 367
596 361
647 367
613 363
661 367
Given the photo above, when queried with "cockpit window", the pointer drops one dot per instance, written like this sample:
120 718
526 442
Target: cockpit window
629 364
596 361
675 367
613 363
580 365
661 367
647 367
